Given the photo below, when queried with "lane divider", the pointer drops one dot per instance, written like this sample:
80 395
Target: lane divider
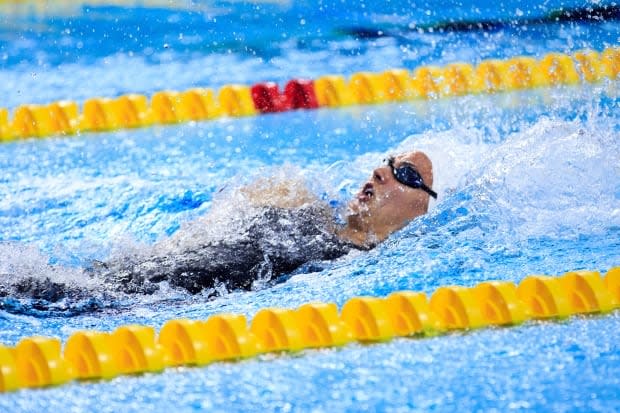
133 349
200 104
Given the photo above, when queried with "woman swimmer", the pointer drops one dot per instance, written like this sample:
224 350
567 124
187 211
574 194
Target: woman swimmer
278 235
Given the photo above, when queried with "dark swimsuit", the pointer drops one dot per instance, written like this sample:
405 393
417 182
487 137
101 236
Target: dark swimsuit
267 245
272 242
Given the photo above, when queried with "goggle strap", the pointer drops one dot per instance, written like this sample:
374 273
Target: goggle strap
428 190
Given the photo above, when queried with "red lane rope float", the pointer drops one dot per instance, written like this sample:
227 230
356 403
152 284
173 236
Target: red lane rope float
298 94
395 85
135 349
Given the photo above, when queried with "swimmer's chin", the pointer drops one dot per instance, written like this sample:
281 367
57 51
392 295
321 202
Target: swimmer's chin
357 216
357 208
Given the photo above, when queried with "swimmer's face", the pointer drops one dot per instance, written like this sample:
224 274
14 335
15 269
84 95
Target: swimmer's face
384 205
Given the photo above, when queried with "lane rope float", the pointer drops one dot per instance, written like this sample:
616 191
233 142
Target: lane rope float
130 349
129 111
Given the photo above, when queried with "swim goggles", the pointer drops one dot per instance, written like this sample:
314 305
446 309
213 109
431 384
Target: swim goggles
407 175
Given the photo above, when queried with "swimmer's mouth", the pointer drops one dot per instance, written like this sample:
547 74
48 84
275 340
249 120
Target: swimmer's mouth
366 193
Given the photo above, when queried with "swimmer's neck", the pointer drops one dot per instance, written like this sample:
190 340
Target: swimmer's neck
362 239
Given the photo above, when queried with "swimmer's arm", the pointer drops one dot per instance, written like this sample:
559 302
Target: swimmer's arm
288 194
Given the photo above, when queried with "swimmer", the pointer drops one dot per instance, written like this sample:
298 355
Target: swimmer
287 227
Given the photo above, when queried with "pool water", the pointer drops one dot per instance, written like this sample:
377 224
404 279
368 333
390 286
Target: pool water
528 183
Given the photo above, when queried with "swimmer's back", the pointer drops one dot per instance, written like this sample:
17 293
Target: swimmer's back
271 242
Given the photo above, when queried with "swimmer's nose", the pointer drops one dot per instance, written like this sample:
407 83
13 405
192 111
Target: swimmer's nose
380 175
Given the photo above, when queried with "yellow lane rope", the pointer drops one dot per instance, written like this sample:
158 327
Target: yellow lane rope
396 85
130 349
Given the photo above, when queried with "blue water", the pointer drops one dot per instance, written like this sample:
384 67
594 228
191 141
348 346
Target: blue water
529 183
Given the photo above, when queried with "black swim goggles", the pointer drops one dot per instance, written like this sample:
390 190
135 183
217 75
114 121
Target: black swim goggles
407 175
